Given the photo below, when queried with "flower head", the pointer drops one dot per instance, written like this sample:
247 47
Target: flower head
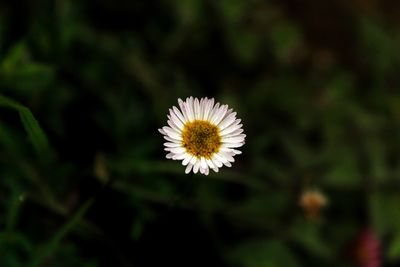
202 134
312 201
367 251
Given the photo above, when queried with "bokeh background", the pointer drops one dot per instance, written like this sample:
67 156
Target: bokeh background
83 175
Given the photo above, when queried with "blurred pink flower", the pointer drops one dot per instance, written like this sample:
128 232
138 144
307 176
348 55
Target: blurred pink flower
367 251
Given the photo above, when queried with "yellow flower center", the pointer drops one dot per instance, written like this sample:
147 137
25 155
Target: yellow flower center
201 138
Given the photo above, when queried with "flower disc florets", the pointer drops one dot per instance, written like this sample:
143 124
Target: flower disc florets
201 139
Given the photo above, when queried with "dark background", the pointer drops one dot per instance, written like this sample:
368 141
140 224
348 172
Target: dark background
85 181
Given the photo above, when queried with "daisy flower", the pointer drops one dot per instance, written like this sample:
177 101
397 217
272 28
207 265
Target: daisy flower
203 134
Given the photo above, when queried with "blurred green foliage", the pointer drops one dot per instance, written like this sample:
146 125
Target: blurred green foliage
85 85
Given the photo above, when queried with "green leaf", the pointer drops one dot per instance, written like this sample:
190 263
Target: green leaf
384 211
9 140
393 253
244 45
262 253
376 152
343 171
136 229
286 39
15 247
14 210
188 11
35 133
30 77
9 103
232 11
253 210
21 73
53 244
17 56
379 44
308 236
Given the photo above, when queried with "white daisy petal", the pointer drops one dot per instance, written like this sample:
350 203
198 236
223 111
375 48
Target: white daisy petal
177 121
232 145
173 126
178 114
189 109
231 151
217 112
180 156
215 169
212 112
230 129
187 160
172 144
234 133
225 149
228 120
175 136
196 167
178 126
209 106
177 150
236 139
166 137
196 109
188 113
188 168
221 114
168 129
216 162
210 164
169 155
237 152
207 171
191 101
182 107
172 133
174 119
228 156
202 170
203 107
203 162
228 164
220 157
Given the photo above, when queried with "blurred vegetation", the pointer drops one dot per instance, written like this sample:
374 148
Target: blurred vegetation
85 85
